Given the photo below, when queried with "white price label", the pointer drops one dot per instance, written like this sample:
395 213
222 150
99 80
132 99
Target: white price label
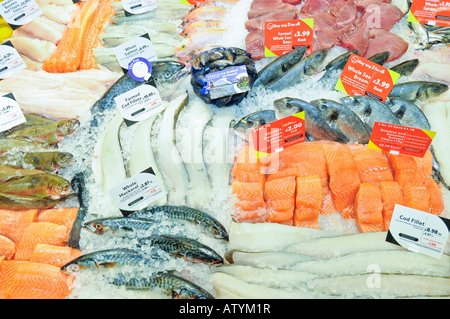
418 231
17 13
139 47
138 6
10 113
10 60
139 103
137 192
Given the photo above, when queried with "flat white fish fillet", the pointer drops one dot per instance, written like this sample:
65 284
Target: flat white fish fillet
267 259
36 49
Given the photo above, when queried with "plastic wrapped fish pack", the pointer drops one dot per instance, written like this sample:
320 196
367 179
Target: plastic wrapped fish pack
213 81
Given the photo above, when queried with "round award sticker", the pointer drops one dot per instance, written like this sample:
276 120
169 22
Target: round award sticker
140 69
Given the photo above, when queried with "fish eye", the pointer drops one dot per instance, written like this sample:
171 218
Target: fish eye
98 226
288 106
73 268
183 47
249 123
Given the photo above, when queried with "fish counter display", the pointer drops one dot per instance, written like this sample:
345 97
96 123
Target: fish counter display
123 184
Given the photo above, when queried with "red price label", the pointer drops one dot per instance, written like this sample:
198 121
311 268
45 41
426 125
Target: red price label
276 136
397 139
435 12
364 77
281 37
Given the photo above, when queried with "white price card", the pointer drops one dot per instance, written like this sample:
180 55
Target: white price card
10 60
139 103
138 191
19 12
10 113
139 47
418 231
138 6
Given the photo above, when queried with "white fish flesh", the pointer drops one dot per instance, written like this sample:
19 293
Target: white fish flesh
111 159
59 13
382 286
270 236
36 49
387 262
266 259
31 64
229 284
268 277
43 28
439 72
330 247
215 148
56 2
138 28
141 154
189 142
438 115
166 154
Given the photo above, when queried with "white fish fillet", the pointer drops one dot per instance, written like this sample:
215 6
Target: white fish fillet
239 287
189 142
270 236
389 262
166 154
269 259
44 29
31 64
433 72
268 277
141 155
59 13
382 286
438 114
56 2
36 49
215 149
330 247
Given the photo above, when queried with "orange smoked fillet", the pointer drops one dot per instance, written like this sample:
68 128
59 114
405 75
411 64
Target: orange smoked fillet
7 270
54 255
369 208
416 196
424 165
61 216
343 175
247 167
279 195
391 194
32 280
68 53
7 247
40 233
372 165
14 222
308 201
251 206
405 168
436 205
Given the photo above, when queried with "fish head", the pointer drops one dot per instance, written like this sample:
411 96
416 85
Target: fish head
62 160
246 124
183 49
326 108
67 127
96 226
431 90
168 71
78 264
285 106
58 187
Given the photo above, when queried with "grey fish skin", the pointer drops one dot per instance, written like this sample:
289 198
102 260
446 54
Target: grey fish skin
117 225
183 213
78 183
343 121
177 287
418 90
246 124
406 68
336 65
315 126
370 110
380 58
181 247
300 71
408 113
278 67
109 258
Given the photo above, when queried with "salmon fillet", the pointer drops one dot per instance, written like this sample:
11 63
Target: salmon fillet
391 194
7 247
43 233
369 208
372 165
54 255
405 168
416 196
436 204
60 216
308 201
14 222
424 165
279 196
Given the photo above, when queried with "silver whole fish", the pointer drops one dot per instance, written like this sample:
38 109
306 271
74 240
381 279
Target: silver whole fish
343 121
406 68
418 90
334 68
315 126
370 110
245 125
408 113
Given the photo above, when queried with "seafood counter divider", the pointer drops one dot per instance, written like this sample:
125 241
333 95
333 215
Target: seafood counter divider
219 219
